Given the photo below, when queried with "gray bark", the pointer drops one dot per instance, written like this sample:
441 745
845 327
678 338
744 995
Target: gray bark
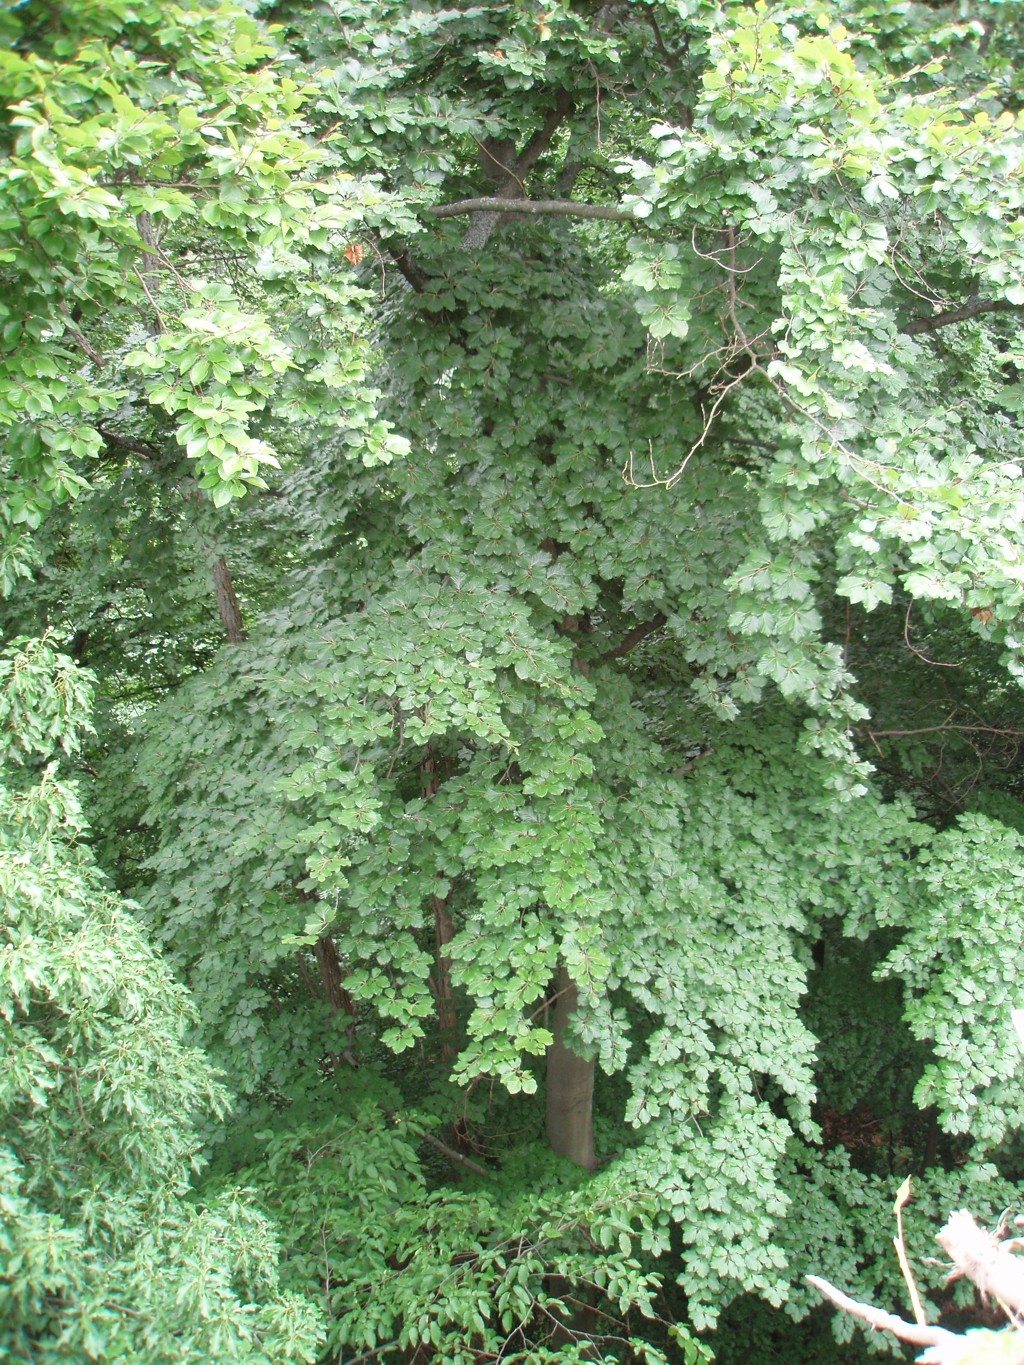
227 603
570 1085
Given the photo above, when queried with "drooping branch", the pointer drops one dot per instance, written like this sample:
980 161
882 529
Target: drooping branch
633 637
972 309
565 208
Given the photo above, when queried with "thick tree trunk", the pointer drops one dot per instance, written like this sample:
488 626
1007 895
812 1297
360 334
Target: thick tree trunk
570 1085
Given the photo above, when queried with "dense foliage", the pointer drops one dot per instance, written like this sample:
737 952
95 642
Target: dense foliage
104 1254
537 488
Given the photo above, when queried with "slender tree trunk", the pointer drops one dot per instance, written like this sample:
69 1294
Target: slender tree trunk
326 955
227 603
444 996
570 1085
570 1129
444 932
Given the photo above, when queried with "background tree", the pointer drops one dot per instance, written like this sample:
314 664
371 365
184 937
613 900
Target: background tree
529 751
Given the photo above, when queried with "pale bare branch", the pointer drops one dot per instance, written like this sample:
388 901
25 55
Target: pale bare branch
985 1261
912 1332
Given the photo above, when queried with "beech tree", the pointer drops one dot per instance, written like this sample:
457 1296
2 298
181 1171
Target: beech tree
538 488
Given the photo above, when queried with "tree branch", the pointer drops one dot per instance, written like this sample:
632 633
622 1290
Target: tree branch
633 637
538 144
484 221
79 339
972 309
227 603
887 1322
453 1155
399 253
113 438
947 727
566 208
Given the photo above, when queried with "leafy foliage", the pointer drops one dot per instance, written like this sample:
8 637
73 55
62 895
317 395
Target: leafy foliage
581 719
104 1256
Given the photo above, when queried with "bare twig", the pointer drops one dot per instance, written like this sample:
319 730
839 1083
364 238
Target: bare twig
161 326
945 727
935 663
901 1253
377 1351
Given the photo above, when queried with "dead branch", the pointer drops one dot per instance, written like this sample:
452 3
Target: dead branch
901 1253
887 1322
984 1261
977 1255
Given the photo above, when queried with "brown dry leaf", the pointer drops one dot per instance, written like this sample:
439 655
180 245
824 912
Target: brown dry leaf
353 253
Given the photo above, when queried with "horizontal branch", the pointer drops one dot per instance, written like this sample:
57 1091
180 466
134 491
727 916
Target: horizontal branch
975 308
946 728
565 208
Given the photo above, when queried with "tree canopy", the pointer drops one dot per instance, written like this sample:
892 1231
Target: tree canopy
530 499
